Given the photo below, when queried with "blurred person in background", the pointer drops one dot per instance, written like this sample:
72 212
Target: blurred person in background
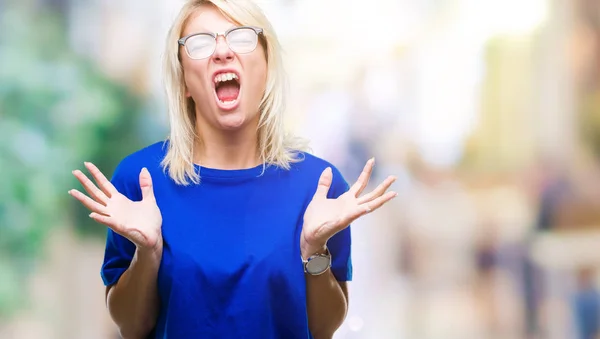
228 229
586 305
553 188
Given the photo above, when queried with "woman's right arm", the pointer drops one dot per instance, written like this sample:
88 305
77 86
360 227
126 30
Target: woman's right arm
133 301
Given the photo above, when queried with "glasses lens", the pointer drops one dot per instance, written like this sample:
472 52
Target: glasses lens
200 46
242 40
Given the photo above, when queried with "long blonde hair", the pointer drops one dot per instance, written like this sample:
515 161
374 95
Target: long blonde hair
276 147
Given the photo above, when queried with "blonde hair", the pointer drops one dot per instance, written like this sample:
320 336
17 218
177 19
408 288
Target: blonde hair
276 147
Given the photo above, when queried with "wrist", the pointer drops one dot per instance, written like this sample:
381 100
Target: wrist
308 249
152 252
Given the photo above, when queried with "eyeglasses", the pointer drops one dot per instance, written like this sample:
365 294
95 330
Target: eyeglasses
240 40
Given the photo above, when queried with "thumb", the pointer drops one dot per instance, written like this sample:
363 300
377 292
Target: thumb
146 184
324 183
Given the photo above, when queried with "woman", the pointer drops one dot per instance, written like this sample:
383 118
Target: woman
226 230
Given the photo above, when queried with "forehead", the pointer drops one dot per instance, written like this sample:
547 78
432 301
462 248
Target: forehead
207 18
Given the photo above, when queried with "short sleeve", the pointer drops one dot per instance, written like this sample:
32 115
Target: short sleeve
340 244
119 250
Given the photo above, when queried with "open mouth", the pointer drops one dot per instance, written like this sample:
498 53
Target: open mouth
227 87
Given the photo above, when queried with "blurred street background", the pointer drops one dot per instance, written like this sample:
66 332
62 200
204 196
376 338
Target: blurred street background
487 111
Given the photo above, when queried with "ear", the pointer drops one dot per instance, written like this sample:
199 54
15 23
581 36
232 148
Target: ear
187 90
184 83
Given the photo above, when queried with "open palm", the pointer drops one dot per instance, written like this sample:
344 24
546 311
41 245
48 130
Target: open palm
325 217
138 221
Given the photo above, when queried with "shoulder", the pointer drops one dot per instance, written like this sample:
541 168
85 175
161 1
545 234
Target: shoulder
310 168
311 163
150 157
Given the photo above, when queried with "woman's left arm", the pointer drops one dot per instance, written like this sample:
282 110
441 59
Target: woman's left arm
327 303
326 298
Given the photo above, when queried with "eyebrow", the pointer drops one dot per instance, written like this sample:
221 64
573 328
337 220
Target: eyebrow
210 32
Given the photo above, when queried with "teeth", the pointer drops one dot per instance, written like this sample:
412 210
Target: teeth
228 102
225 77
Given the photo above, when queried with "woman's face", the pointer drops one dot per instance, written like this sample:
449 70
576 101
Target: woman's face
223 104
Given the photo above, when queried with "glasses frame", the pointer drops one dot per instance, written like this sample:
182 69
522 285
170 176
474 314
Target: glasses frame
182 41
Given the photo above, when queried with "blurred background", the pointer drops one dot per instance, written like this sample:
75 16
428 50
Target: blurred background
488 112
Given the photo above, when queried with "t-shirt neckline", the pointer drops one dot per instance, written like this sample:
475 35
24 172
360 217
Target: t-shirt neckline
243 173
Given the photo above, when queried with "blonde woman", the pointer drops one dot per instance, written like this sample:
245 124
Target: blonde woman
228 229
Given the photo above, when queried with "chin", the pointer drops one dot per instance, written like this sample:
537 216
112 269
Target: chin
232 121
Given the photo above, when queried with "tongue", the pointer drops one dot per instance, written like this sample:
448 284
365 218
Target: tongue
228 91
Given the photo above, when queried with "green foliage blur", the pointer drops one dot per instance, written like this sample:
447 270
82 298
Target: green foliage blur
56 111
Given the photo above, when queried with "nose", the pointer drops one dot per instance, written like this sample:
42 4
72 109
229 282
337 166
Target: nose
222 52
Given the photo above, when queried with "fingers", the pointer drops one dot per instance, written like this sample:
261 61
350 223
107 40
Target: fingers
363 179
378 191
89 203
324 182
105 185
146 184
90 188
105 220
378 202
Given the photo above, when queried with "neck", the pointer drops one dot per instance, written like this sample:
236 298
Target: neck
227 149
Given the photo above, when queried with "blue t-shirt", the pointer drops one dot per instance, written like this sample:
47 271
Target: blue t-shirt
231 264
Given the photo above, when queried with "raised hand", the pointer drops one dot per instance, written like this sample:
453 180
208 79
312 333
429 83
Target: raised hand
138 221
325 217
